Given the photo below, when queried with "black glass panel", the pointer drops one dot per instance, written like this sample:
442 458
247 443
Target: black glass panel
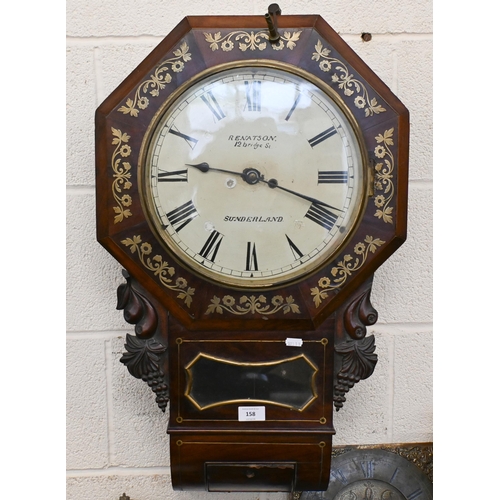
287 382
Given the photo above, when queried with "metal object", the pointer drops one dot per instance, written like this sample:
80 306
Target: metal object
398 472
271 16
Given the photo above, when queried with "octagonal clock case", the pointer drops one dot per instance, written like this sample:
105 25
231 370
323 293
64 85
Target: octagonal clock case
251 176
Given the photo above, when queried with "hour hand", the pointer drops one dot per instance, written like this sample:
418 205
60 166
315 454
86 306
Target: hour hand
205 167
202 167
249 175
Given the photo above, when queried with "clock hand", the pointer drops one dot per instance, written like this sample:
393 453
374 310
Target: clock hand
273 183
249 175
253 176
205 167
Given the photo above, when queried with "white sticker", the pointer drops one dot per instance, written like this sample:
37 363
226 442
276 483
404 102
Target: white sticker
251 413
294 342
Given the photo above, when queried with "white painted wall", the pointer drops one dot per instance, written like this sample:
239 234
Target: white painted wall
116 435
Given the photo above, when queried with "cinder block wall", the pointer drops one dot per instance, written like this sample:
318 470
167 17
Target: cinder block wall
116 435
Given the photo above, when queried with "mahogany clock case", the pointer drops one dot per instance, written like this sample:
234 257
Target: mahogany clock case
123 121
202 345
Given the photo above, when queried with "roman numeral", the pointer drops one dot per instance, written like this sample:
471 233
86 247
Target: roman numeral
414 495
293 107
253 95
213 105
190 140
211 246
394 474
175 176
182 216
332 177
322 216
251 263
367 468
329 132
293 247
338 475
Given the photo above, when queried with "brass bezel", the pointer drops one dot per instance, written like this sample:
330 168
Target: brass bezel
207 273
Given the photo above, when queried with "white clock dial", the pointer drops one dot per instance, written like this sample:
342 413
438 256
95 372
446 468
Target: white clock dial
254 176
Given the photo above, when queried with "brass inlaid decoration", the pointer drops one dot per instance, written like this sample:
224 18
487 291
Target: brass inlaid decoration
156 81
160 268
250 41
345 268
186 363
121 175
346 81
253 305
214 381
383 176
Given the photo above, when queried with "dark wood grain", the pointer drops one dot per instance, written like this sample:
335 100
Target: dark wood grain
174 315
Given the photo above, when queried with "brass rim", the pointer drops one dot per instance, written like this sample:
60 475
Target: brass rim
233 282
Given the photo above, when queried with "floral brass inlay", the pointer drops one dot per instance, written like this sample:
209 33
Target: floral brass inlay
252 41
121 175
253 305
346 81
342 270
160 268
157 81
383 176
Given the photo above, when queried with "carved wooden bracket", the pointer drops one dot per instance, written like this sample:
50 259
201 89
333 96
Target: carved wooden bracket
144 361
354 350
360 314
145 358
137 309
358 363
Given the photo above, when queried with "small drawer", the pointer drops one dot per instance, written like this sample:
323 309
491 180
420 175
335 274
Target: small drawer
268 476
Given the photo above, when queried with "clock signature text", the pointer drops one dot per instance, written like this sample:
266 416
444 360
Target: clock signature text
252 141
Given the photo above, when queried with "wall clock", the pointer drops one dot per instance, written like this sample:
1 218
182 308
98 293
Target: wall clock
251 176
378 474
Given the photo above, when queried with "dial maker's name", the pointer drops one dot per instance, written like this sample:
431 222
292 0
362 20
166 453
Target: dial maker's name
255 138
252 141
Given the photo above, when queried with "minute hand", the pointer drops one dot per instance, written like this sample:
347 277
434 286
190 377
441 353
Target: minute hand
273 183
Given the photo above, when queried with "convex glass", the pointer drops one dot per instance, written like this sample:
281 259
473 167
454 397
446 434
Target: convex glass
253 176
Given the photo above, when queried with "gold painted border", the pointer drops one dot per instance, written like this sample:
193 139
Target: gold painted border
384 174
160 268
252 305
347 266
121 174
156 82
346 81
253 41
189 385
